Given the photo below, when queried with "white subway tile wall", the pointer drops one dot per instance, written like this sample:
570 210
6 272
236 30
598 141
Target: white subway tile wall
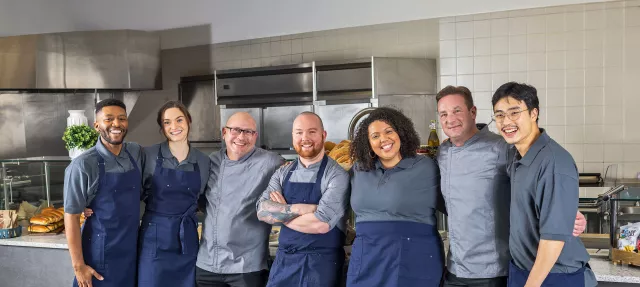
583 59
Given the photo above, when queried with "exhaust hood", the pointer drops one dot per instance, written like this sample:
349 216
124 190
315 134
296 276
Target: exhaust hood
92 60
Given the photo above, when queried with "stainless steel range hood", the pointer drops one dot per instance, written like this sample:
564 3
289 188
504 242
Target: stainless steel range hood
102 60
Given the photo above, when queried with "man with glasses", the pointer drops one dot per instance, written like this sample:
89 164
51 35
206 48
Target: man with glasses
544 197
475 185
234 245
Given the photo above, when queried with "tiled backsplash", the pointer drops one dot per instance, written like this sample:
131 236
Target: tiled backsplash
583 59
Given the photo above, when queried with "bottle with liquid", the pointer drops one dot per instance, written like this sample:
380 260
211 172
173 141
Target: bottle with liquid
433 141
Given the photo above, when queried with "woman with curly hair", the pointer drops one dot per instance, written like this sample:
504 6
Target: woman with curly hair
395 194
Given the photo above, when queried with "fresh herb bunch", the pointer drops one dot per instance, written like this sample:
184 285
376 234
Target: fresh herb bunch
80 136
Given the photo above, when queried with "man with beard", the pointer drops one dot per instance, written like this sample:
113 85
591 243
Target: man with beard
308 198
475 185
234 245
107 179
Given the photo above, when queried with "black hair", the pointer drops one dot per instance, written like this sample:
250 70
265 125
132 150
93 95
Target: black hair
521 92
360 149
108 103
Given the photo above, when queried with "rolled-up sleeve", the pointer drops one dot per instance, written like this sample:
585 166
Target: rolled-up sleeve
333 204
275 184
558 205
75 192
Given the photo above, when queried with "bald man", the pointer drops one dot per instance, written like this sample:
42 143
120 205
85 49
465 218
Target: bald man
309 200
234 245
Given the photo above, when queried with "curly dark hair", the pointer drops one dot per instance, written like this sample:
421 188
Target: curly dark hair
360 149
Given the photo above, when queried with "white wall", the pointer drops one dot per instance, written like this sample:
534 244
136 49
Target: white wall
234 20
583 59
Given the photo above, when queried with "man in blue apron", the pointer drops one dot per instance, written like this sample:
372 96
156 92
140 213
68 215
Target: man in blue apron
475 184
106 179
308 198
544 197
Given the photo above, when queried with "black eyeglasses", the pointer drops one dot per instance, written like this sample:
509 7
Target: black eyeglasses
238 131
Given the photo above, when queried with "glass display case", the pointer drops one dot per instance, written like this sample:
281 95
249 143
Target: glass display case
37 180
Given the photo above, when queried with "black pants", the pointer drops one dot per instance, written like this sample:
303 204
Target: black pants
451 280
205 278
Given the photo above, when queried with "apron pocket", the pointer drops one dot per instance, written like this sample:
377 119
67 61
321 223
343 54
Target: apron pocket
148 240
97 249
420 258
355 260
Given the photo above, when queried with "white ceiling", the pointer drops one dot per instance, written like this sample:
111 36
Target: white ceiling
232 20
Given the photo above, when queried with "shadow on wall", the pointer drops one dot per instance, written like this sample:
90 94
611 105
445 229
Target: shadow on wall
186 52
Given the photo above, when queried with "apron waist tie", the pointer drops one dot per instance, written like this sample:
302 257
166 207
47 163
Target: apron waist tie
184 218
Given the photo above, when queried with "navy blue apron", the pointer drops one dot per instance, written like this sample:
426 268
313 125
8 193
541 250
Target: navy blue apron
396 254
109 236
307 259
169 236
518 278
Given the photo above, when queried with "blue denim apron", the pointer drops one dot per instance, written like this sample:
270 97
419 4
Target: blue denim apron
518 278
396 254
168 235
307 259
109 236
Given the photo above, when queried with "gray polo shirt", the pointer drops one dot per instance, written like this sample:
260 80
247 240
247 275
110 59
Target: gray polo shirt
170 162
544 203
233 239
334 185
476 189
81 178
410 191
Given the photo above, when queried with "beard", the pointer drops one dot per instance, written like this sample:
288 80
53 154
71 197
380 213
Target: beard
315 151
104 134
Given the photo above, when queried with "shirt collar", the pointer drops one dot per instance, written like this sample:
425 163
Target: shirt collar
471 140
403 164
535 148
166 152
311 166
105 153
240 160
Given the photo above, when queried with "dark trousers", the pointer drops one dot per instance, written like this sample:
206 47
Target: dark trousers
451 280
205 278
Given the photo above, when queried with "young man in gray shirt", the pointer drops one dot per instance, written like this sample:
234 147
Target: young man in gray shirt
234 245
476 188
309 199
544 197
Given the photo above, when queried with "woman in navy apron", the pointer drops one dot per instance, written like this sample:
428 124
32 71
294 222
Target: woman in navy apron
174 176
394 194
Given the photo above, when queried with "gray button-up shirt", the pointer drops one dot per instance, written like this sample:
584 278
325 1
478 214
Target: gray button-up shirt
81 177
233 239
475 186
170 162
334 185
410 191
544 203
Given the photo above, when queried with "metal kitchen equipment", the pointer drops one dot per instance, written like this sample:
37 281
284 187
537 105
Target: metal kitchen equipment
32 179
115 60
335 90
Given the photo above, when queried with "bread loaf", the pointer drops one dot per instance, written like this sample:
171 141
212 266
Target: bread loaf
45 228
48 216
